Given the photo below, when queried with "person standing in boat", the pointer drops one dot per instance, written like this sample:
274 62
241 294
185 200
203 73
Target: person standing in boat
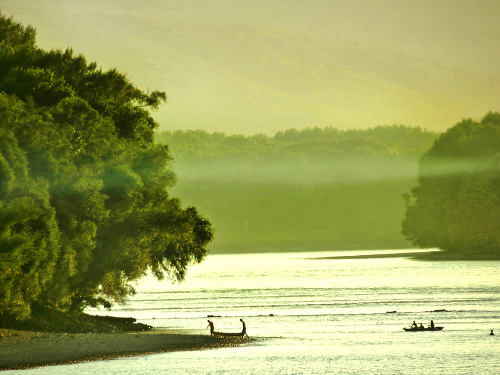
432 324
211 325
244 330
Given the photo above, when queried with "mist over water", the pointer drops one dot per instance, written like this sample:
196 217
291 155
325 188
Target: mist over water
453 166
311 189
301 172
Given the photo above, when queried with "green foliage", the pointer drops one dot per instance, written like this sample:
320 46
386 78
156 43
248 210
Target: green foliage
456 205
42 85
84 207
17 45
29 237
382 141
311 189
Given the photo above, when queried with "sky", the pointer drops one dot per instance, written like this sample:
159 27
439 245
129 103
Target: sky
261 66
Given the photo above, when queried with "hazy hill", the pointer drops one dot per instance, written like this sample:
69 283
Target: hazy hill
314 189
259 66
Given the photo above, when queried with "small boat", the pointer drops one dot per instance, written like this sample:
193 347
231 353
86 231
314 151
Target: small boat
228 334
214 333
422 329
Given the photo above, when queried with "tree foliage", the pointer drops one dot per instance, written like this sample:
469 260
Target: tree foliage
310 143
84 206
456 205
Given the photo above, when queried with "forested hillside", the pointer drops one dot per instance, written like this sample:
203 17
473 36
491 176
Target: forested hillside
84 206
311 189
456 203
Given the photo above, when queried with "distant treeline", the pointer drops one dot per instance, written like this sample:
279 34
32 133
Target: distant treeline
318 189
310 143
311 189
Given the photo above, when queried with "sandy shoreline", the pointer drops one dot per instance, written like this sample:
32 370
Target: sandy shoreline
21 350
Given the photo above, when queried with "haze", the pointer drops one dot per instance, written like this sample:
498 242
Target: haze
258 66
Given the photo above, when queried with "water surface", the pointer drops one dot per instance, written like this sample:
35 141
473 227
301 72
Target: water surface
317 316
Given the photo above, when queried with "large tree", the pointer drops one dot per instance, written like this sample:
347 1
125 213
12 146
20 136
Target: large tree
456 205
84 202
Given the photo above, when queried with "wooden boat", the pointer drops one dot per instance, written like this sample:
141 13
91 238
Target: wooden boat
228 334
214 333
422 329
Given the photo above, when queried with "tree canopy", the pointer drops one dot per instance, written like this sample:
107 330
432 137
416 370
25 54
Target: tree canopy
456 204
329 142
84 205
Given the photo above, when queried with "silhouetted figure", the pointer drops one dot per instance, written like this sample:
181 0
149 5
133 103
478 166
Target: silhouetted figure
244 330
491 333
421 326
432 324
211 325
414 325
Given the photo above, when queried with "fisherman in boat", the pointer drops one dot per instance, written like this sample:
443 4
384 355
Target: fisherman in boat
211 325
421 326
414 325
244 330
432 324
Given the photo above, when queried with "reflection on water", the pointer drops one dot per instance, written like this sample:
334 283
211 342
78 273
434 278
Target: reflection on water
322 316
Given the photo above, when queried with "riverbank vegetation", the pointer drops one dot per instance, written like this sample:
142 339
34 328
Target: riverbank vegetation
84 205
456 203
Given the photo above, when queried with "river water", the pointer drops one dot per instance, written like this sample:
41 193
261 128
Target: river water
321 316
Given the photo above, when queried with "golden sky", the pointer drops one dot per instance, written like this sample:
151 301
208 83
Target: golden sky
250 66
